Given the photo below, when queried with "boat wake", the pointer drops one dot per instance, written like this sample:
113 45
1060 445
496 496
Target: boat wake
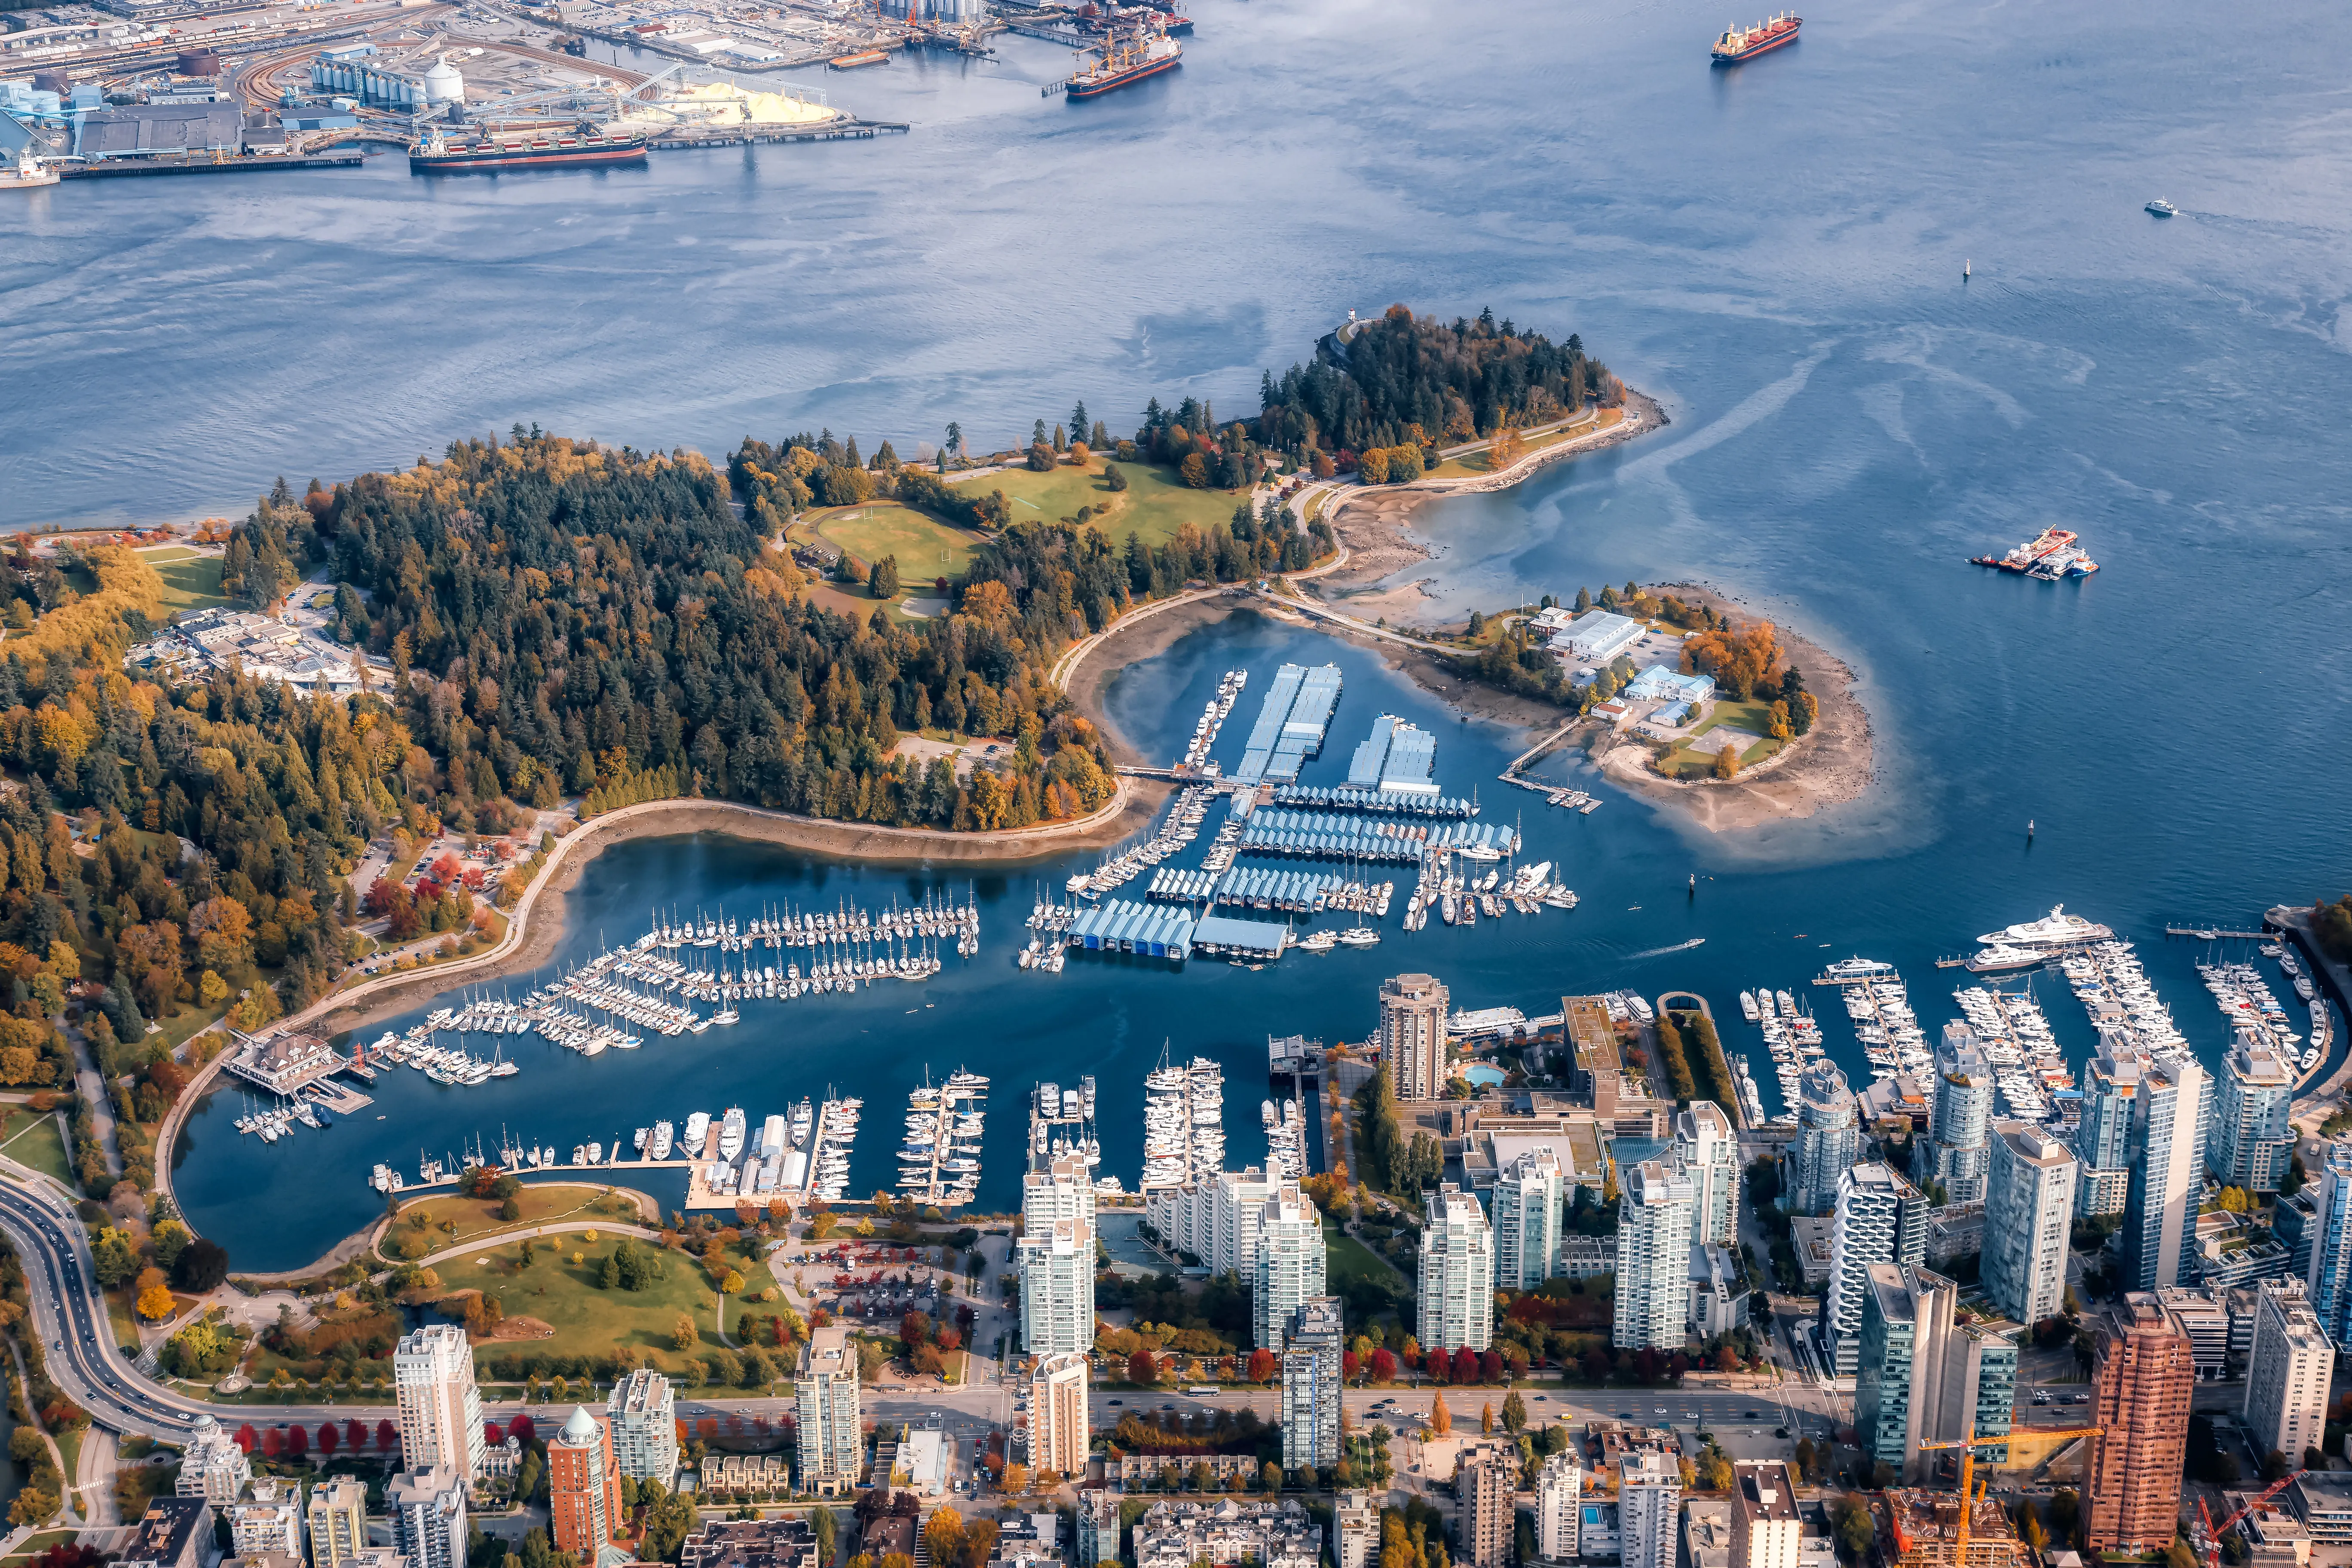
1678 947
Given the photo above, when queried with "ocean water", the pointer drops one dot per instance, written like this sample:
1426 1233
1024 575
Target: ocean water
1774 252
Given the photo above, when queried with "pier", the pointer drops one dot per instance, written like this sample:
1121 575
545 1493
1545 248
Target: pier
209 163
2219 934
850 131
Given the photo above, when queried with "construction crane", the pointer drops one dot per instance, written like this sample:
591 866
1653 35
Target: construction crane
2213 1534
1968 1445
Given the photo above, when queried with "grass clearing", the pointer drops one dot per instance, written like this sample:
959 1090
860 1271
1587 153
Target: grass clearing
37 1544
70 1451
926 547
588 1319
32 1138
1345 1260
1155 504
124 1320
190 582
1756 717
471 1220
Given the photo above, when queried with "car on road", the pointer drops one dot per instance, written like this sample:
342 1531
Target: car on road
1625 1415
1661 1410
1752 1414
1168 1408
1118 1402
1541 1398
1782 1432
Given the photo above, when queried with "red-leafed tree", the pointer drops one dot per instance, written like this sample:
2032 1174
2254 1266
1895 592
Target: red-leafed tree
355 1434
273 1442
1139 1368
1384 1367
493 1434
1262 1366
1490 1365
247 1437
1352 1365
523 1430
331 1437
387 1435
298 1442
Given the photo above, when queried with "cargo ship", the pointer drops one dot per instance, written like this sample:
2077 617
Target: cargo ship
2050 556
1123 64
1739 44
862 58
543 149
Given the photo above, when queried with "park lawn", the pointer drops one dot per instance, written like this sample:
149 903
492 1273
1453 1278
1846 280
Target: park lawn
125 1320
926 547
1155 504
31 1137
1753 717
70 1451
474 1218
1345 1260
190 582
1470 464
588 1319
35 1545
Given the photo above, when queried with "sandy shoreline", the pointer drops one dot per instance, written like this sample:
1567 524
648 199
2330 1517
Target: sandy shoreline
1832 765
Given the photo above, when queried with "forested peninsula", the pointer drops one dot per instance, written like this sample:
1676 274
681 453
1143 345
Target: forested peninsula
564 618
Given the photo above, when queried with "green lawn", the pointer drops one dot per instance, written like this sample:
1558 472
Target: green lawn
1156 503
35 1545
69 1450
126 1323
31 1137
588 1319
926 548
1754 717
190 582
1345 1260
1470 464
476 1218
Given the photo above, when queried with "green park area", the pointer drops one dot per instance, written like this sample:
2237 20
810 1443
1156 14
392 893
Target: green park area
555 1306
1155 504
436 1223
192 581
31 1137
925 547
1472 464
1681 762
36 1544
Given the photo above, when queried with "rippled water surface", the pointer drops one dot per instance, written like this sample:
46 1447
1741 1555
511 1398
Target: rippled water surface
1774 252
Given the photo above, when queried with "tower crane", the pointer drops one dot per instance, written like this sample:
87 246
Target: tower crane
2214 1533
1967 1444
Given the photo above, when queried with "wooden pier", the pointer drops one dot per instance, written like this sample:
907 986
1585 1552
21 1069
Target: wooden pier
2218 933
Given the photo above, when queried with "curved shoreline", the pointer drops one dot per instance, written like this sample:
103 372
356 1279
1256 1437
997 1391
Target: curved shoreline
530 941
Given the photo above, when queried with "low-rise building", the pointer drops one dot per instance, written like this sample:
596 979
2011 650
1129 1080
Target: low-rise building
1810 1235
2323 1503
1718 1291
1707 1534
174 1533
1137 1468
268 1518
787 1543
1180 1534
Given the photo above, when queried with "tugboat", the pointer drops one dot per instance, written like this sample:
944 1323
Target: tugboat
2161 208
1738 44
1122 64
27 173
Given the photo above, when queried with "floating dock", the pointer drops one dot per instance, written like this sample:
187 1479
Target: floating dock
1381 802
1120 926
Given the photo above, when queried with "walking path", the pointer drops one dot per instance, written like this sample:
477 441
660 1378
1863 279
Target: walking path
102 1107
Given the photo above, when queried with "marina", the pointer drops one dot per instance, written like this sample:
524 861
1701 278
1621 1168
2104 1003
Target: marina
939 1159
1183 1121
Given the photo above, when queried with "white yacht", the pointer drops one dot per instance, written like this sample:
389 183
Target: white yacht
2002 955
2058 929
663 1134
731 1128
698 1128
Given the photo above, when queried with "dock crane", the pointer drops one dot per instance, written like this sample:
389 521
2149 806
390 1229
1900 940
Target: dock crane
1968 1445
2214 1533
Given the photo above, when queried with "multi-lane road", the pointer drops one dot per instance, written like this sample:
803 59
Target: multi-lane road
84 1361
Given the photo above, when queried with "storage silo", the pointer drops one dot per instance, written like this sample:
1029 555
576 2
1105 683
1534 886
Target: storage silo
444 83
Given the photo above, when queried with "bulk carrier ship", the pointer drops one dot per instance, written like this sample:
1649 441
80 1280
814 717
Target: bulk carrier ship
583 143
1123 64
1739 44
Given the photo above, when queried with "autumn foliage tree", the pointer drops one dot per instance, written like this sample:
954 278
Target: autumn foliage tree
1740 661
1441 1419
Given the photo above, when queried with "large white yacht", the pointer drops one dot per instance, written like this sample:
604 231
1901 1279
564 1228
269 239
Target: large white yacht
2060 929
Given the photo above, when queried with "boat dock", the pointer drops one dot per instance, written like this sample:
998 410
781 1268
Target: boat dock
1325 836
1291 723
840 130
2219 934
208 163
939 1160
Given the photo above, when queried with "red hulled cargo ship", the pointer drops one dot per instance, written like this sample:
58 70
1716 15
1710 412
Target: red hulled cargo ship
2053 553
1124 64
1739 44
541 149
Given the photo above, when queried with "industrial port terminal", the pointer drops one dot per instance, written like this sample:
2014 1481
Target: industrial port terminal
174 89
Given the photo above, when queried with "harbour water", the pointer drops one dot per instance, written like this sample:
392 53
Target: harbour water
1775 252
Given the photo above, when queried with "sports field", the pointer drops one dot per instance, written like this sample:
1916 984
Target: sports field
1155 504
926 547
191 580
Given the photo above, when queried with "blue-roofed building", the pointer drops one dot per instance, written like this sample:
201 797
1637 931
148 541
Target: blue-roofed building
1671 713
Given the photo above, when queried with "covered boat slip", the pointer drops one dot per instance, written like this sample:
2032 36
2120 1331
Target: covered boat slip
1391 803
1328 836
1290 723
1272 887
1238 938
1123 926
